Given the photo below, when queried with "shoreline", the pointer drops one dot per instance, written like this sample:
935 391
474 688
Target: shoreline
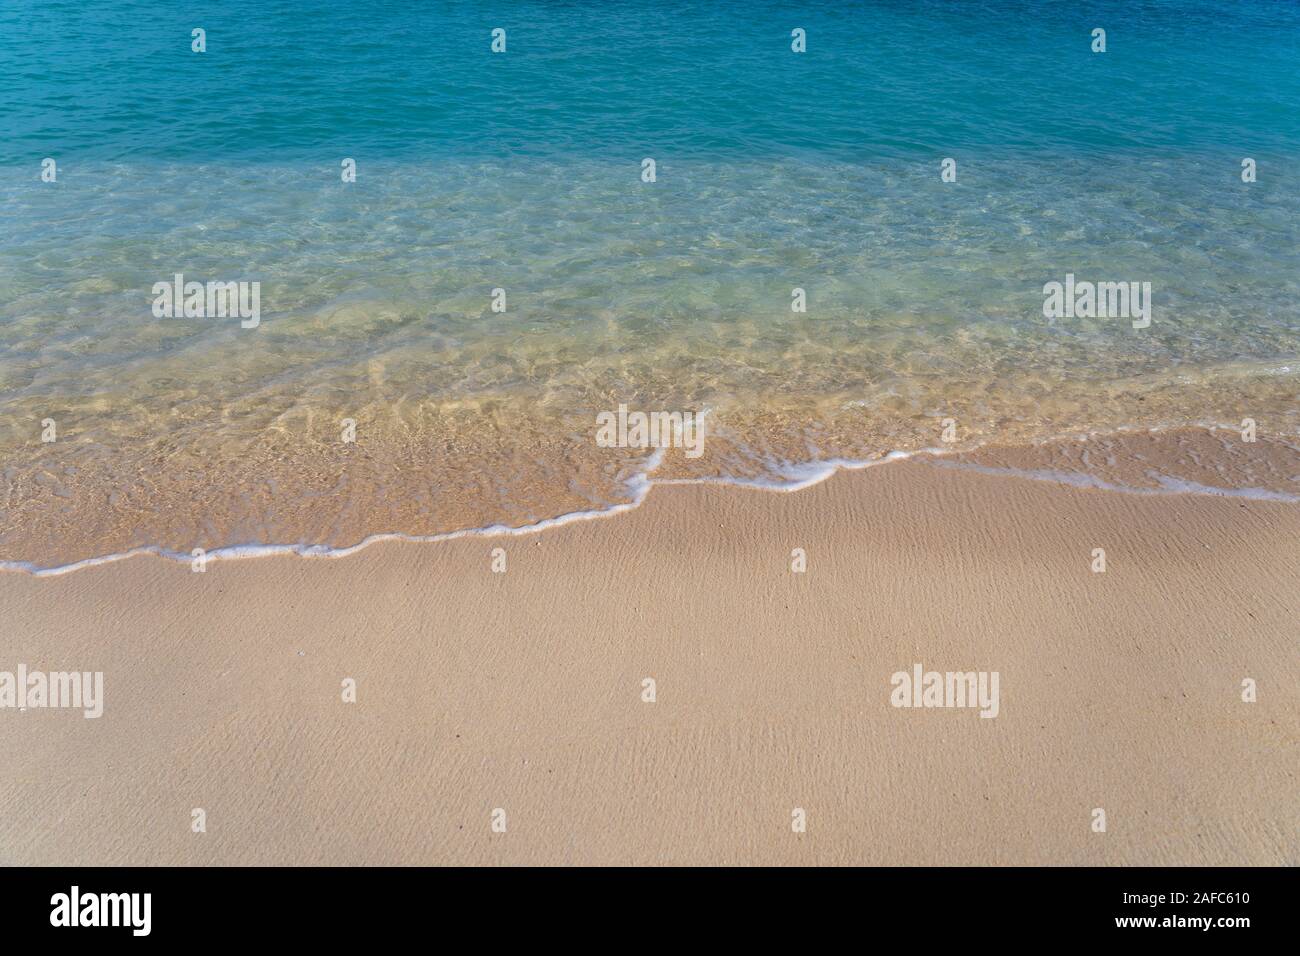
523 690
813 472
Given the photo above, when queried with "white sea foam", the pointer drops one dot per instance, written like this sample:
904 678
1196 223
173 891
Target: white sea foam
1168 484
638 485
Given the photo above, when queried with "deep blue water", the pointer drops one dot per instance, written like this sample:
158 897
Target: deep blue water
286 80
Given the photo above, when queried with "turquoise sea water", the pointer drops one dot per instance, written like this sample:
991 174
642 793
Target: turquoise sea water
522 171
295 81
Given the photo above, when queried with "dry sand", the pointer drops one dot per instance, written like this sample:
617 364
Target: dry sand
477 690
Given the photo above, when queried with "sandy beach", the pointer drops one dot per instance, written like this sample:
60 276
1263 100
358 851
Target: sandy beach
523 691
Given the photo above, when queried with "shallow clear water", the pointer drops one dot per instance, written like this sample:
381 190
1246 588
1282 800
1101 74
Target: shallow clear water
522 171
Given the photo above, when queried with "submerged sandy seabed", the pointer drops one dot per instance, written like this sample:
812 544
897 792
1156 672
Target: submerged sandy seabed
251 474
523 691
